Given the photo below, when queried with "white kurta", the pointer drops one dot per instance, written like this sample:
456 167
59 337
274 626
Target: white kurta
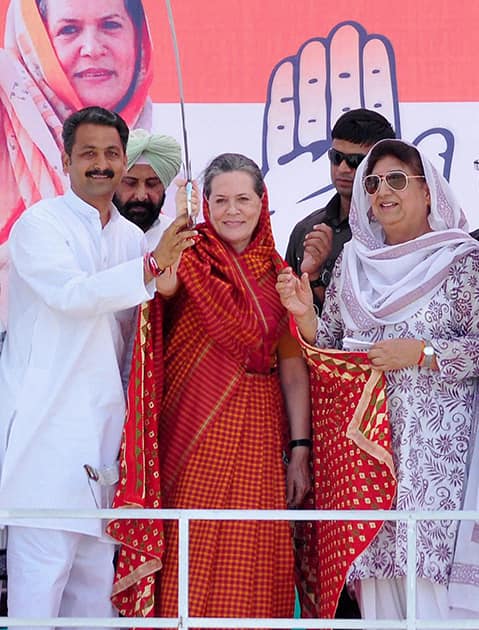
73 286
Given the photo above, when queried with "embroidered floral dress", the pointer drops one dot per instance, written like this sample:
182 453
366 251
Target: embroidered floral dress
432 418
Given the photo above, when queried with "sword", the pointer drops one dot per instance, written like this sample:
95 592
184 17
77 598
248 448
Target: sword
189 185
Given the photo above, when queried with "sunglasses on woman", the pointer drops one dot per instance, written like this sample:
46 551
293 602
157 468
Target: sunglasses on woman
353 160
396 180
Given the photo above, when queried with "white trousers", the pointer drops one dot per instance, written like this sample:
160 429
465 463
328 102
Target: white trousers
386 599
53 573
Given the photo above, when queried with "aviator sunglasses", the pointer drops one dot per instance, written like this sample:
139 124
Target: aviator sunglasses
396 180
353 160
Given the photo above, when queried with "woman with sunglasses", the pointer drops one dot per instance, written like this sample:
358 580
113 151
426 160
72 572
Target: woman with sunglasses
407 288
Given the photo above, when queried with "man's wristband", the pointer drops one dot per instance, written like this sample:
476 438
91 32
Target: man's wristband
150 264
302 442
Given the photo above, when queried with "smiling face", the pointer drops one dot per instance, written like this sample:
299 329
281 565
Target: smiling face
403 214
96 164
95 43
235 208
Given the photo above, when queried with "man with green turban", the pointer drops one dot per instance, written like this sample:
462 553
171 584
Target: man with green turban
153 161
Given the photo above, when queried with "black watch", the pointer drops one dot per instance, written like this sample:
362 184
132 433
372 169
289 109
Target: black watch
322 281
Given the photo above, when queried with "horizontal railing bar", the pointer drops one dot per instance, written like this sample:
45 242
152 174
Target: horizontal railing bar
217 622
245 515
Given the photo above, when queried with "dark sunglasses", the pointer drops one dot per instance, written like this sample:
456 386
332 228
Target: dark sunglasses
353 160
396 180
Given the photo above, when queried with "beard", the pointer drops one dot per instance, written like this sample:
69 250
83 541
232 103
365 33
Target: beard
141 213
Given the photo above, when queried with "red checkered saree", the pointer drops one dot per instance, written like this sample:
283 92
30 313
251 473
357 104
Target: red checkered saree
352 467
220 434
221 429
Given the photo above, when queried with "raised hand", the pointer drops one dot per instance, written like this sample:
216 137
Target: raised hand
307 92
174 240
318 247
296 296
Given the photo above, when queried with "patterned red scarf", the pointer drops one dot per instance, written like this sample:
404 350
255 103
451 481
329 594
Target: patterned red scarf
139 487
353 470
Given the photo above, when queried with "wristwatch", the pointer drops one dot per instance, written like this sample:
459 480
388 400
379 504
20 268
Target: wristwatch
428 354
323 280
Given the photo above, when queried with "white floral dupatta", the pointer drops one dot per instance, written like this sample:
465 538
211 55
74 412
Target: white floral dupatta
385 284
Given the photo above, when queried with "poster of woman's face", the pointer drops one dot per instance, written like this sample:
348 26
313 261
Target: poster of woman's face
95 43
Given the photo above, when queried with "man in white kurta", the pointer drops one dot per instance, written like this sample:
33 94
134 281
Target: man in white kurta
153 161
77 274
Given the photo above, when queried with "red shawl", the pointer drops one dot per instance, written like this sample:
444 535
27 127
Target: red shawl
141 540
352 468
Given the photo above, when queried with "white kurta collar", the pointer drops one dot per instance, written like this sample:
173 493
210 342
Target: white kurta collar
88 211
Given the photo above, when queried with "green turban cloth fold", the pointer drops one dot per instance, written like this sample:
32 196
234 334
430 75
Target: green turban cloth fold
162 153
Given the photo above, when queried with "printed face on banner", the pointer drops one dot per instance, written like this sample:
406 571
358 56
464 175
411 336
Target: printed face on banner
95 43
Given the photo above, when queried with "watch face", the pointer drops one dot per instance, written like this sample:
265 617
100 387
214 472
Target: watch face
325 277
429 351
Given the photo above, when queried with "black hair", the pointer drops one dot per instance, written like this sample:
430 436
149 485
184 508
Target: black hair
94 116
404 152
229 162
362 126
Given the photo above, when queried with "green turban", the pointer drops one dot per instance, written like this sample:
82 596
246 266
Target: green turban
162 153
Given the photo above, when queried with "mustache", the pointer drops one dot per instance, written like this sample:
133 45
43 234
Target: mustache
147 205
107 173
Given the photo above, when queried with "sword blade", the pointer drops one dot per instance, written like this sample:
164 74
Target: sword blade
180 88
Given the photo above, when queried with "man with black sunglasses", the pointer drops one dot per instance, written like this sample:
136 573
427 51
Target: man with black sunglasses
318 239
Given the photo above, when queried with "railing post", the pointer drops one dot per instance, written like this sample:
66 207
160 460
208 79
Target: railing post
411 573
183 564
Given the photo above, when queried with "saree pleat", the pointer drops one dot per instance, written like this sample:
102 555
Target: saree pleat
236 568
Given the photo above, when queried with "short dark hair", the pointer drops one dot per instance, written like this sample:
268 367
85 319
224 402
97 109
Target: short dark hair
93 116
229 162
362 126
403 151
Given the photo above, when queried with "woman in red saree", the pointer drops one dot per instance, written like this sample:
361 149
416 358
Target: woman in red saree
231 376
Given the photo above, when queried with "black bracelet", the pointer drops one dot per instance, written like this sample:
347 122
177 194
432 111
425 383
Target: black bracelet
303 442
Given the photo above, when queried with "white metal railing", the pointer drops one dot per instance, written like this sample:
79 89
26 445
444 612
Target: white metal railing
183 517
